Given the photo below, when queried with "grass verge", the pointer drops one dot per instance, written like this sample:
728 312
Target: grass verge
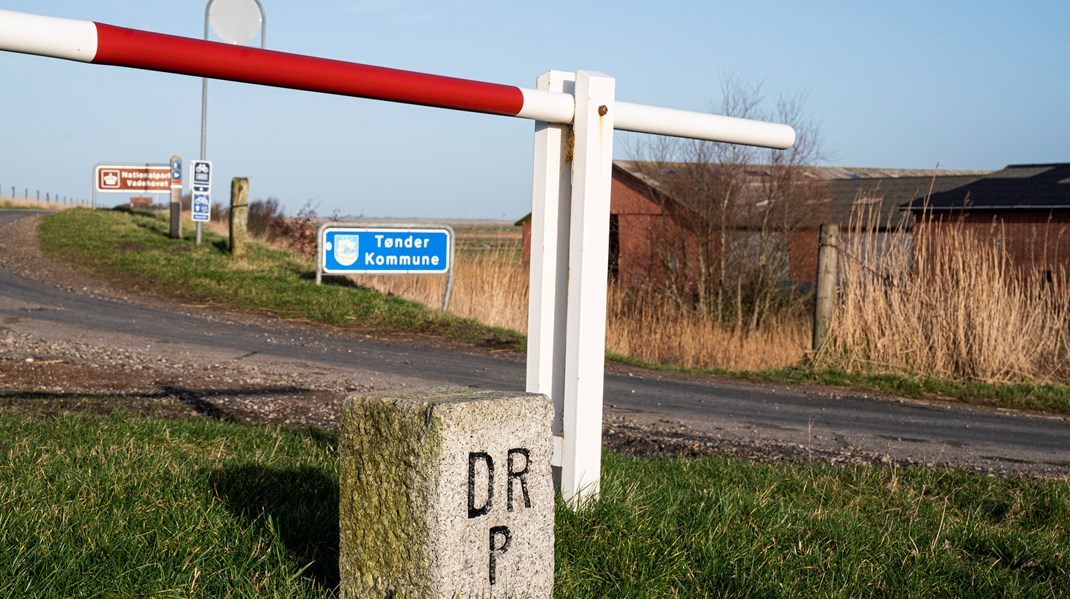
135 251
1041 397
117 505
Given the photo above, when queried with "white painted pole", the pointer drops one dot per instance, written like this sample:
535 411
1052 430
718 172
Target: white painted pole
548 288
592 174
641 118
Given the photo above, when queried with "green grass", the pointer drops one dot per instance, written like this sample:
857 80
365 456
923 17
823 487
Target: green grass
132 507
1047 397
118 505
719 527
1042 397
134 250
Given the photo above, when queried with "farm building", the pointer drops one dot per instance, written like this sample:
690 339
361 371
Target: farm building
649 214
1023 208
869 201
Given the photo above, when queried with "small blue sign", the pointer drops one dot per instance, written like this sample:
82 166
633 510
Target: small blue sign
202 172
202 207
351 250
201 175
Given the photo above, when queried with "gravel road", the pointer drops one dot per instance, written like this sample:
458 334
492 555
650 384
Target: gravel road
64 335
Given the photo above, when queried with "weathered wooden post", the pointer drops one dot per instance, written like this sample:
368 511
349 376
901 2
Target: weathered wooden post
828 241
239 215
446 493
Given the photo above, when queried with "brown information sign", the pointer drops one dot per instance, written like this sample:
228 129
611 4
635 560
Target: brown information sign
127 178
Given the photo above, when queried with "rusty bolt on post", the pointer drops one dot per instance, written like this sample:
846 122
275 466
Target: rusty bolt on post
603 110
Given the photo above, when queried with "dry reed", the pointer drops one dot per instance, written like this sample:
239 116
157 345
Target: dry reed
492 287
648 326
24 204
943 302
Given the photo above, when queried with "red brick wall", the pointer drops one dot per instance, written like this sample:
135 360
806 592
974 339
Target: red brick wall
1035 240
802 256
634 208
642 228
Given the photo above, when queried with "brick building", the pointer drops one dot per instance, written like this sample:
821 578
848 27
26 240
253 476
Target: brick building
1023 208
642 215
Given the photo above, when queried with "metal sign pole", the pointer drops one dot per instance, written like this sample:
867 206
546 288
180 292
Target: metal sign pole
204 80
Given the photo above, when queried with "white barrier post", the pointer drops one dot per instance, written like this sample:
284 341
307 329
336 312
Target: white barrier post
592 175
548 288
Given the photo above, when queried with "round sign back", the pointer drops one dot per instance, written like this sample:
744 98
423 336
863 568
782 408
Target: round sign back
235 21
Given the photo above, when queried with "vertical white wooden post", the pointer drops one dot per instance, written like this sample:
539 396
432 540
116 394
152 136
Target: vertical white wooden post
548 288
569 268
585 341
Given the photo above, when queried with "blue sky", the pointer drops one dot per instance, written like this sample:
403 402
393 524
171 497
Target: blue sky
907 84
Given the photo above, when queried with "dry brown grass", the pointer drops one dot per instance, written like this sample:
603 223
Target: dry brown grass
10 203
649 327
492 287
949 305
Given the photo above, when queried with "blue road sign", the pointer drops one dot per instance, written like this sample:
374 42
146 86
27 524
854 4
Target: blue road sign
201 175
202 207
382 250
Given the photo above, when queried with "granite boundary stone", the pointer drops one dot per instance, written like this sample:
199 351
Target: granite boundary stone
446 492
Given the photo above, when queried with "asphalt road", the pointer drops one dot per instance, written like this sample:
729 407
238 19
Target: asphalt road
741 413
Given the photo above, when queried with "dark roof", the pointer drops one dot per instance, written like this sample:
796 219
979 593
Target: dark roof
1016 187
881 197
856 191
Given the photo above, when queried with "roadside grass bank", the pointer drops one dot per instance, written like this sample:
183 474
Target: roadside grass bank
128 503
1051 398
134 250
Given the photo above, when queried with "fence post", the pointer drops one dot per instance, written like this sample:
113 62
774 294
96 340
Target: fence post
828 241
239 215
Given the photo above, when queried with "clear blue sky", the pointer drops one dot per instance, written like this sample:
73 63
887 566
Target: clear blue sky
905 84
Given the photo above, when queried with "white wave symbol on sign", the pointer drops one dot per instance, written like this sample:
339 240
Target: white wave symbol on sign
346 249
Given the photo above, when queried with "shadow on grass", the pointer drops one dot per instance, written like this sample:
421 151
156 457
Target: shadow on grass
200 401
330 280
302 505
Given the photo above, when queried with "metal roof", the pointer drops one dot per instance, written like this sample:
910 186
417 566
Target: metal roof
1016 187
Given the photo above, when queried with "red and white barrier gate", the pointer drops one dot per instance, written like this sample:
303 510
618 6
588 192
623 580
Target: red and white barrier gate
570 200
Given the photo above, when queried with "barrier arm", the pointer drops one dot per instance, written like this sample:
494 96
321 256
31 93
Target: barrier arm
99 43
